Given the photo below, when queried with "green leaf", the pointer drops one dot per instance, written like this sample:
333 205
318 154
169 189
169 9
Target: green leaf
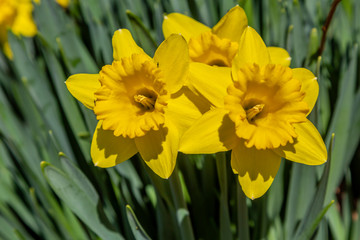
57 30
307 233
341 124
355 127
300 42
355 230
136 228
127 171
336 224
275 198
242 214
80 197
302 187
225 232
315 211
44 222
67 101
141 34
7 231
39 88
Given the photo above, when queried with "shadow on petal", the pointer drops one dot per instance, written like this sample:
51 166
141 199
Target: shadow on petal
227 133
256 169
159 149
308 148
108 150
199 101
151 145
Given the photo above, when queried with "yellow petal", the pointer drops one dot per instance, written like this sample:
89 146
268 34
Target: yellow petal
211 82
83 87
108 150
256 169
7 50
309 85
186 26
184 108
308 148
232 25
159 149
63 3
279 56
213 132
172 57
252 49
24 23
124 44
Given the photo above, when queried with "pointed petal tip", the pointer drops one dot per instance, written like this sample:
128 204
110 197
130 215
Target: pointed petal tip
252 49
166 176
173 56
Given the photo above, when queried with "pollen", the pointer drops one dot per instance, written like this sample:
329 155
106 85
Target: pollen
254 111
147 102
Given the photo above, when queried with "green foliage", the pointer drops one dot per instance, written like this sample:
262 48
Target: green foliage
69 198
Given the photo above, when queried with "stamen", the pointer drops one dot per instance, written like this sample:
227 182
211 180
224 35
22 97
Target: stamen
254 111
147 102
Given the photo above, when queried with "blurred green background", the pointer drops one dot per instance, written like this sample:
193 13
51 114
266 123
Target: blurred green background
68 198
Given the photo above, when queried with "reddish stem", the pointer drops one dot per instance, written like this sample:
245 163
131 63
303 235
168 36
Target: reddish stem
326 25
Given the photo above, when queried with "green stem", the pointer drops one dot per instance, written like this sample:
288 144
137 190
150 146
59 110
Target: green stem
225 230
242 215
182 213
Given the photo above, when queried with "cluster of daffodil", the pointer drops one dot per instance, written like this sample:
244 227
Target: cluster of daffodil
206 90
16 15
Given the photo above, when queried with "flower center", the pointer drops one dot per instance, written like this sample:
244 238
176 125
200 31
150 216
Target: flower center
146 99
252 112
132 97
263 103
146 102
212 50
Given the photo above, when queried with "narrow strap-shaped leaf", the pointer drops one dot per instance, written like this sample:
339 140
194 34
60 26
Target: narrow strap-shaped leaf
80 199
141 33
311 229
225 231
136 228
316 211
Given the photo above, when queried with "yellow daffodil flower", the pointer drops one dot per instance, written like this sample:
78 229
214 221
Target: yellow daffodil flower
140 103
261 116
17 16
